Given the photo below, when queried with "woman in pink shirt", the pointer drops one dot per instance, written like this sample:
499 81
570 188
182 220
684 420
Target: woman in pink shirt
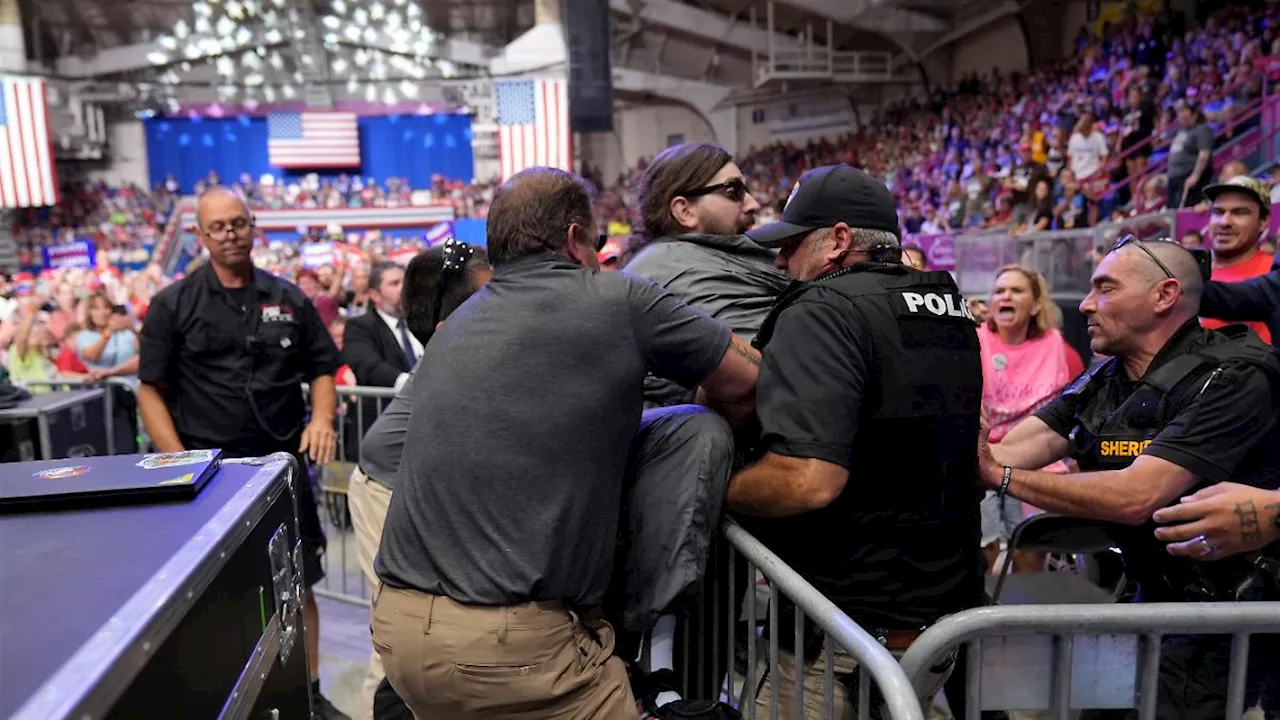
1025 362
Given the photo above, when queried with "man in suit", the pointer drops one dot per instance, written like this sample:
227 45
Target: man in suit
378 345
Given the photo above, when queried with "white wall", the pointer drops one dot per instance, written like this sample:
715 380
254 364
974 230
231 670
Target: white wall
128 155
798 120
642 131
999 46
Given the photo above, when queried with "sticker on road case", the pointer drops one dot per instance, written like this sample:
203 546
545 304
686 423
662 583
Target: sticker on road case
180 480
62 472
157 461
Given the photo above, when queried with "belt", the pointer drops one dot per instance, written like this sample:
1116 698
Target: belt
898 640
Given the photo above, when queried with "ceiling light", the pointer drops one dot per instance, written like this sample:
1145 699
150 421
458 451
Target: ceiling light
269 94
408 89
353 85
225 26
168 42
389 96
371 93
273 36
352 32
331 22
339 65
180 30
339 6
288 91
370 35
155 57
361 16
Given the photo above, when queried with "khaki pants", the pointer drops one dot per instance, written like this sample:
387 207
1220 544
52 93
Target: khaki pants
815 699
535 661
368 501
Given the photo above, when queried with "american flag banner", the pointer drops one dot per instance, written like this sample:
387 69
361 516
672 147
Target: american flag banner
533 124
313 140
27 174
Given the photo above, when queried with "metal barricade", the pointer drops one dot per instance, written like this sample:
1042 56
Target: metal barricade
1066 258
721 615
128 383
343 580
1094 656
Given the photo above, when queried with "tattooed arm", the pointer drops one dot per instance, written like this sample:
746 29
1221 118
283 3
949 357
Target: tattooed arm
731 388
1231 518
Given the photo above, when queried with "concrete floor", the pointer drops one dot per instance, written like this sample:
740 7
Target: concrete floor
344 652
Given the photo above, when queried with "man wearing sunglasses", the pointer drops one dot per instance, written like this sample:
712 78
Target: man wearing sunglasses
695 206
1177 408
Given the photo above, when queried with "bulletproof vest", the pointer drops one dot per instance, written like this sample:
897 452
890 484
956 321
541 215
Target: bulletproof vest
916 442
1112 430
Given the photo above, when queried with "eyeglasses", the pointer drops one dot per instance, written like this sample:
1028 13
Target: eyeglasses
734 189
237 226
1204 260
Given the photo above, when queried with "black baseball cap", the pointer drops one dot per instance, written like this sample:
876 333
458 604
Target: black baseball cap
828 195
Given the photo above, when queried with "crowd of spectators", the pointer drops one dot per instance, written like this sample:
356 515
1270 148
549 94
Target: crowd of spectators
76 324
1123 128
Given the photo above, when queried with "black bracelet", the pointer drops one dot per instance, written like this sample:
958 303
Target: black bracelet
1004 483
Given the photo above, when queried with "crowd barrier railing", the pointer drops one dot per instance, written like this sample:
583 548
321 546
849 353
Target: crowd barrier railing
57 384
1066 258
709 661
722 617
358 406
1093 656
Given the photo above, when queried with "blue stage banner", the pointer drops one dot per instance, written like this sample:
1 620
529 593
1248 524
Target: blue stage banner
417 147
471 231
68 255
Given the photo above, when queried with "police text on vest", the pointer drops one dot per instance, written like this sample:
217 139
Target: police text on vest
939 304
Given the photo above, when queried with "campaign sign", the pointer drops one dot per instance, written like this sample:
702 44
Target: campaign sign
79 253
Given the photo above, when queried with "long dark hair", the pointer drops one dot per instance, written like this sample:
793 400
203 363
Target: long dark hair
437 282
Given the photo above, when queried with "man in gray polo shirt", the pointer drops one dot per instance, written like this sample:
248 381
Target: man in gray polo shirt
436 282
501 535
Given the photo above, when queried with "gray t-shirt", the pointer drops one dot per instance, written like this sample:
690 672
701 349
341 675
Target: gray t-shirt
382 445
1187 145
530 408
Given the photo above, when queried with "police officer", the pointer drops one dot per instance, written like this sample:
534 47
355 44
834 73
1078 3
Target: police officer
869 398
224 353
1174 409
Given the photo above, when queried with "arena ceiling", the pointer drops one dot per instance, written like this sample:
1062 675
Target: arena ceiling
710 40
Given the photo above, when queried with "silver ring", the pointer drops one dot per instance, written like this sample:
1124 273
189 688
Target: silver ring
1205 547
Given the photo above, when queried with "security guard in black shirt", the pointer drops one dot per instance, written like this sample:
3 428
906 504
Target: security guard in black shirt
224 353
1176 408
869 399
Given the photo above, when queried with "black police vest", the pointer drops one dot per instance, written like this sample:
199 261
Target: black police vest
1107 437
916 445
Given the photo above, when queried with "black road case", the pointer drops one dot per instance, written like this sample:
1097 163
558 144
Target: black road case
53 425
173 610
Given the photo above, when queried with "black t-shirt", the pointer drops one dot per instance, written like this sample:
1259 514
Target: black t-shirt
812 379
1213 431
511 483
230 362
1138 125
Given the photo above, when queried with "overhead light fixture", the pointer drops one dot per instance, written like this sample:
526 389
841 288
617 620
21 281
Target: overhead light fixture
155 57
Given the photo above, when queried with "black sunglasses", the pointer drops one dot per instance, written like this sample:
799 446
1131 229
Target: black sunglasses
734 189
1204 259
